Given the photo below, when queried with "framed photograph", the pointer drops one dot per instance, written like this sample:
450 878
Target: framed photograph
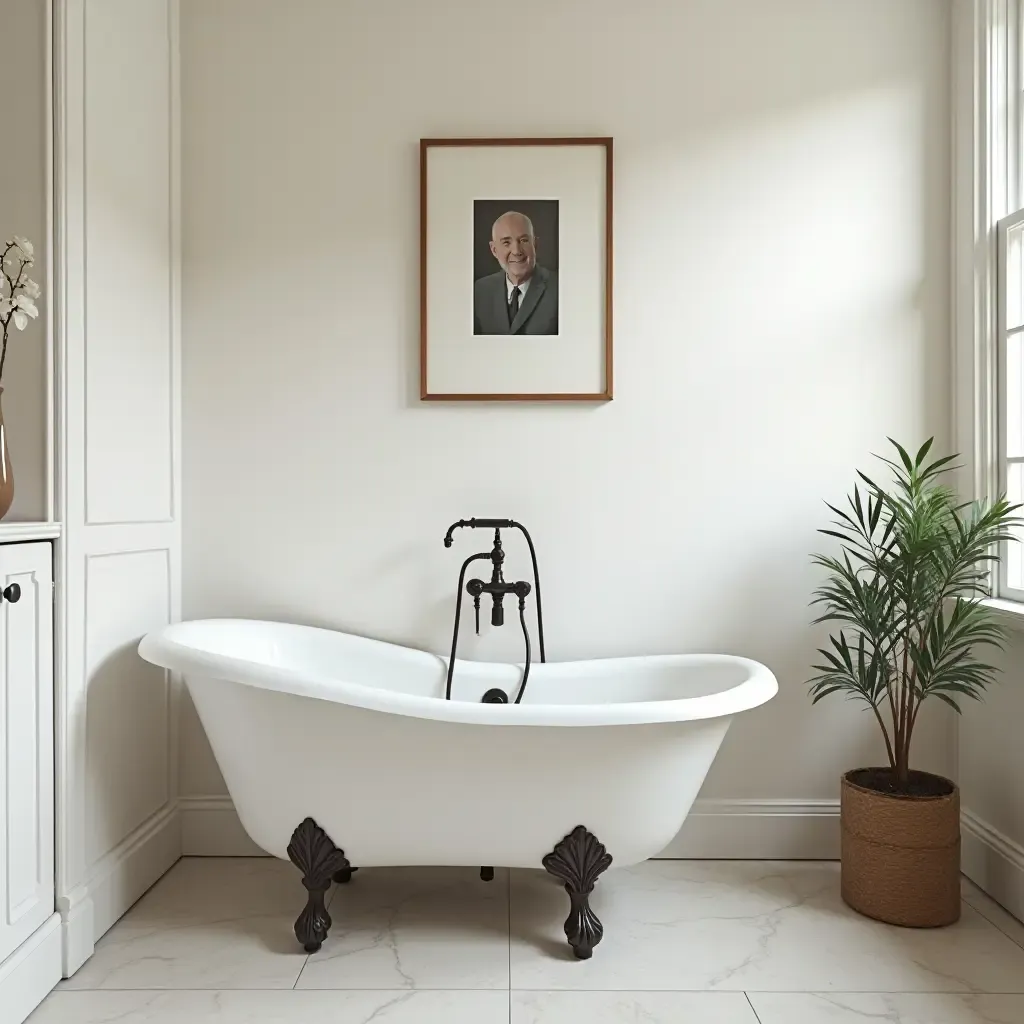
516 269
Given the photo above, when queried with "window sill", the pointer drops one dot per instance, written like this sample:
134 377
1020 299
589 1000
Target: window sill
1009 613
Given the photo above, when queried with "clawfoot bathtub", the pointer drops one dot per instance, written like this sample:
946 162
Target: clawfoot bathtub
341 752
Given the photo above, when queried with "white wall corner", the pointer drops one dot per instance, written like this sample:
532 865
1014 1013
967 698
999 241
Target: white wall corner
116 882
210 828
120 878
986 176
758 830
994 862
29 974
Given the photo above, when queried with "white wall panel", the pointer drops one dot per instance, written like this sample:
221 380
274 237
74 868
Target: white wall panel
126 595
128 235
116 143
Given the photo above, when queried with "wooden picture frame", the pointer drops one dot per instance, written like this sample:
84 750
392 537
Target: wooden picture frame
516 269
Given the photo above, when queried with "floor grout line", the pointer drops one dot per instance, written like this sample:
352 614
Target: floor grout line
327 907
989 910
751 1005
775 991
568 991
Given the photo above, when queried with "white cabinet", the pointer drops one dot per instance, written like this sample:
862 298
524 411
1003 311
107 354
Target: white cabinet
27 919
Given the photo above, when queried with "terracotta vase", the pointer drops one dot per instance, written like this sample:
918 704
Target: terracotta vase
6 477
901 854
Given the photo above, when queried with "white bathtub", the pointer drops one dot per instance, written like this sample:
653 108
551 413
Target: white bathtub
356 734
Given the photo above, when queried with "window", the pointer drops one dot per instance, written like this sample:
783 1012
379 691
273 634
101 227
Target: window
1006 193
1010 377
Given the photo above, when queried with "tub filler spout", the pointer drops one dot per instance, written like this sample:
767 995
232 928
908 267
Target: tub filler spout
497 588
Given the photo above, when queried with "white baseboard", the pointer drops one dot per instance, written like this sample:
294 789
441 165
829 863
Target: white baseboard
116 881
28 975
758 830
714 830
210 828
994 862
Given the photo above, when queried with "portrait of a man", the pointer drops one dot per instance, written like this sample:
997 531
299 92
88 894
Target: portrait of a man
515 291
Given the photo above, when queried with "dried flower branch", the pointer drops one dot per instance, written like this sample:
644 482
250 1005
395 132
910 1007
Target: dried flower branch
18 305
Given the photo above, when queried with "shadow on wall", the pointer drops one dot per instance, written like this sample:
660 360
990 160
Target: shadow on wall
788 62
127 743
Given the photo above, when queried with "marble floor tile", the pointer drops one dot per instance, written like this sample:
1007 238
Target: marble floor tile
631 1008
857 1008
208 924
992 911
273 1008
741 925
216 887
415 928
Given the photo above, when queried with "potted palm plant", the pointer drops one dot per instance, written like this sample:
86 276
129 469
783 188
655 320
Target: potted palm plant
906 590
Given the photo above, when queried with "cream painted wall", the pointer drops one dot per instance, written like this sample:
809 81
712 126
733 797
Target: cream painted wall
781 305
23 212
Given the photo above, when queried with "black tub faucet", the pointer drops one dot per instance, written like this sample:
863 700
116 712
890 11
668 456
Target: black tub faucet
497 588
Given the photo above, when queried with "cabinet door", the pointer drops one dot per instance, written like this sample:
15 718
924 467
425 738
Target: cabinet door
26 743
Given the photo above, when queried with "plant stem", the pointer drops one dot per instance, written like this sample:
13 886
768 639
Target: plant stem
892 710
3 260
910 731
3 355
14 284
885 733
17 283
901 761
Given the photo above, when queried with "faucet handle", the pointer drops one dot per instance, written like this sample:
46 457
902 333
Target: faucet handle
475 588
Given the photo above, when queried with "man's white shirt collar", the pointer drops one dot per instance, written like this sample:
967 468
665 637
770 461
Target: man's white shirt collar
509 286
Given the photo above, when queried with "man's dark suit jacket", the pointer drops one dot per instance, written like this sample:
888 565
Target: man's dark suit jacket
538 313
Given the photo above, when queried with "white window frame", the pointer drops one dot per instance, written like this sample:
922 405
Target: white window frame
987 109
1007 259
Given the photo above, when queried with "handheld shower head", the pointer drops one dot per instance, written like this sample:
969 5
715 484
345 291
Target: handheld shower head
476 524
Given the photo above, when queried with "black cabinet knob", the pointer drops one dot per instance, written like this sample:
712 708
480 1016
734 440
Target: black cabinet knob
12 593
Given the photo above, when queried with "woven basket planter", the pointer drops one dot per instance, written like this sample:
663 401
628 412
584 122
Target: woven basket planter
901 854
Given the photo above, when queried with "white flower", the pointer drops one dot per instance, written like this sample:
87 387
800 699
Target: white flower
5 307
26 247
20 319
30 288
25 305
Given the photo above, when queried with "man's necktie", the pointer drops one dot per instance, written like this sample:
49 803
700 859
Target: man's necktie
513 306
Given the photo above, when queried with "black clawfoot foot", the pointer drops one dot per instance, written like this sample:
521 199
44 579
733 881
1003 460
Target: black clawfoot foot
313 853
487 874
577 861
344 876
